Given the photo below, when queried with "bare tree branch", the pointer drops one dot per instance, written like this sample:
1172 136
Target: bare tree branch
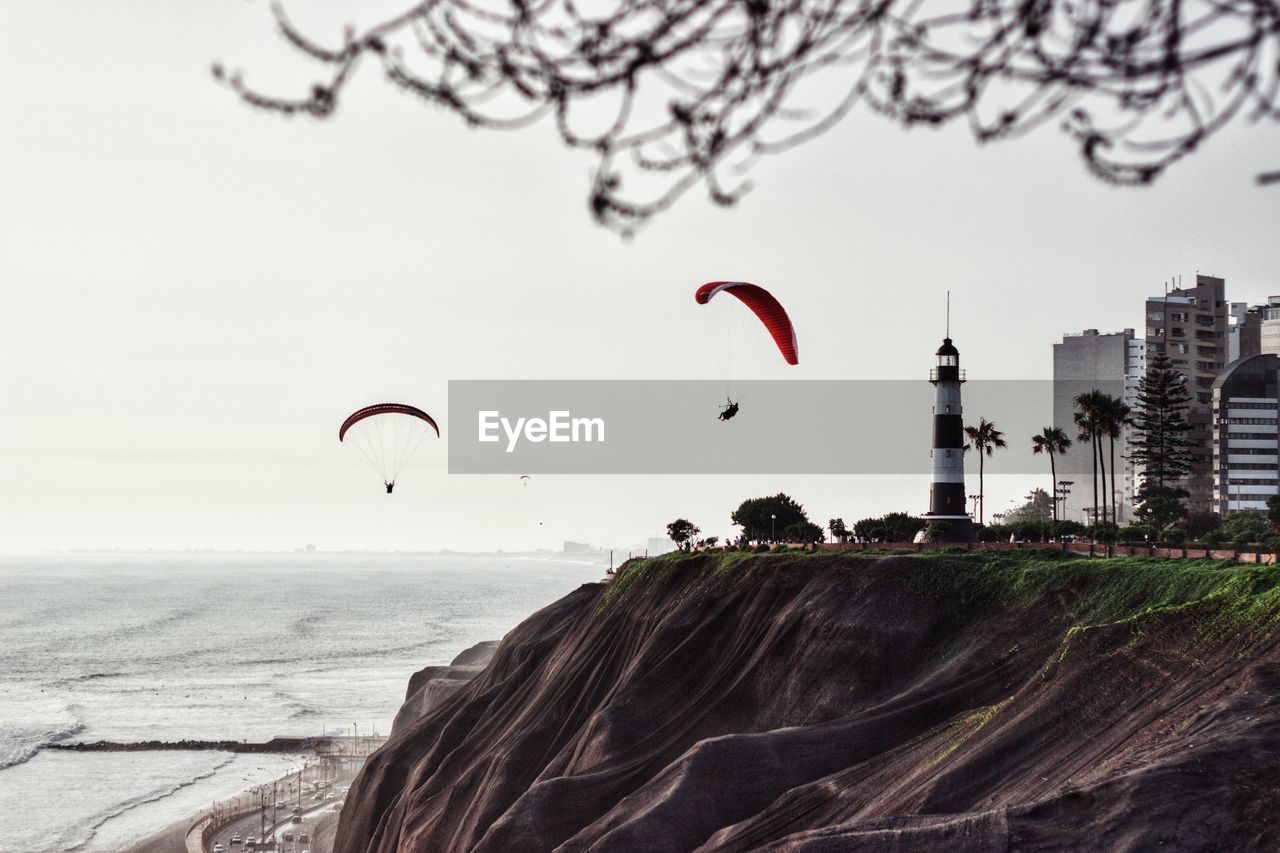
668 94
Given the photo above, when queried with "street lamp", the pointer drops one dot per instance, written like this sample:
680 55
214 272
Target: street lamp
1064 489
773 524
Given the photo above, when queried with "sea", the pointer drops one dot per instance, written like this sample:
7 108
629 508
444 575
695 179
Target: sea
208 646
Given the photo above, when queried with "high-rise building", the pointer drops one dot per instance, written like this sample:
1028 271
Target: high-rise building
1189 325
1244 331
1135 370
1270 332
1246 446
1111 362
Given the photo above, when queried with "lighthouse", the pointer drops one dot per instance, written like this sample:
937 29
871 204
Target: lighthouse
946 489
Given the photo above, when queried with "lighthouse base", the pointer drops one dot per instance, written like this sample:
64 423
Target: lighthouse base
949 530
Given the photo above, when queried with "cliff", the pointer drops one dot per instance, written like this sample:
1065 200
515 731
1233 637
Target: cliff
430 686
831 702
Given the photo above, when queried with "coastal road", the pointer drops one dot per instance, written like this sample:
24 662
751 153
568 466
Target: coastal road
250 826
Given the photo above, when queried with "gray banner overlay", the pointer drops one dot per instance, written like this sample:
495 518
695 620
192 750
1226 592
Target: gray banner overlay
783 427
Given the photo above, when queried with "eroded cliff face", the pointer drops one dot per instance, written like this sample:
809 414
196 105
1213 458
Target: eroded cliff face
813 703
432 685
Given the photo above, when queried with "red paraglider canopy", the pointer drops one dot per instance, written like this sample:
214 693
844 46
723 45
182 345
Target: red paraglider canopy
763 304
385 409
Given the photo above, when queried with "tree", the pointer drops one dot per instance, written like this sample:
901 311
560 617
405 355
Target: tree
802 532
1051 440
699 90
892 527
1273 510
1201 523
1160 443
1038 509
1115 414
838 529
1090 414
1245 527
984 438
763 518
682 532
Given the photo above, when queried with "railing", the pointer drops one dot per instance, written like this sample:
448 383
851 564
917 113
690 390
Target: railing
933 373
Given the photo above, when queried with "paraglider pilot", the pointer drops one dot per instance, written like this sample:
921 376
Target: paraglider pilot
389 486
728 411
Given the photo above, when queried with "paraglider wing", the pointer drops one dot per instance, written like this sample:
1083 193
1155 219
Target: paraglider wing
385 409
387 435
763 304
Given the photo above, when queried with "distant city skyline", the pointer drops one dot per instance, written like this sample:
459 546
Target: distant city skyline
195 293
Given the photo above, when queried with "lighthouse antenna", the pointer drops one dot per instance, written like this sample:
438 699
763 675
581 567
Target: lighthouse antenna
948 313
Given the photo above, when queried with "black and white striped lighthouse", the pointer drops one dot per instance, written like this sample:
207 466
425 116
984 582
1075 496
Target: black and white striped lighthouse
946 490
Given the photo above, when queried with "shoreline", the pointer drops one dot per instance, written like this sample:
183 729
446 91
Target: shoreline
172 838
425 689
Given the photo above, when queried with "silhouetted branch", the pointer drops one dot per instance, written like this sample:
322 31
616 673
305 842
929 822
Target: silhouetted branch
670 93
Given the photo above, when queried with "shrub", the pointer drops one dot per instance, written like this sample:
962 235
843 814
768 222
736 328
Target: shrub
995 533
1134 534
894 527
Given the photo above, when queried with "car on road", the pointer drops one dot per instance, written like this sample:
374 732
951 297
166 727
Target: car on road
235 839
217 848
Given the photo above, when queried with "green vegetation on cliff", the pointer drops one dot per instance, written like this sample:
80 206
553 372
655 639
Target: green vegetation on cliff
1094 590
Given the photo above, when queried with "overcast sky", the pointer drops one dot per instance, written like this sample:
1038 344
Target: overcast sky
195 294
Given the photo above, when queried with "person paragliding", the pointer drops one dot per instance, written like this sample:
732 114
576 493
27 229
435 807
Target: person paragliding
387 435
768 312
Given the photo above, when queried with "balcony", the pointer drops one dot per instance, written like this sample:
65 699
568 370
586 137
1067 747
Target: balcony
933 373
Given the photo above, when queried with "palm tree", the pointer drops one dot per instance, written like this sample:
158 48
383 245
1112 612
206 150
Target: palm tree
1052 441
1088 417
1115 416
984 438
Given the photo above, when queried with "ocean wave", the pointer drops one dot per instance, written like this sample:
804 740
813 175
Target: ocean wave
90 676
20 744
144 628
154 795
336 655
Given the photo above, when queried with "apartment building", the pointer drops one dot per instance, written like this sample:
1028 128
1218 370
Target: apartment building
1246 446
1190 326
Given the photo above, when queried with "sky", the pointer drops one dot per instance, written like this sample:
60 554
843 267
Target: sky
194 293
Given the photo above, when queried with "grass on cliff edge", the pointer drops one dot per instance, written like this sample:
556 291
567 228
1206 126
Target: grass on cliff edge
1098 590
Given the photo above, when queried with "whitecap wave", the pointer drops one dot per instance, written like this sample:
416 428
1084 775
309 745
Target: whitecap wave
19 743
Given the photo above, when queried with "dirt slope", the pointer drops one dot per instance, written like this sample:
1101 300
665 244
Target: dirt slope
814 703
